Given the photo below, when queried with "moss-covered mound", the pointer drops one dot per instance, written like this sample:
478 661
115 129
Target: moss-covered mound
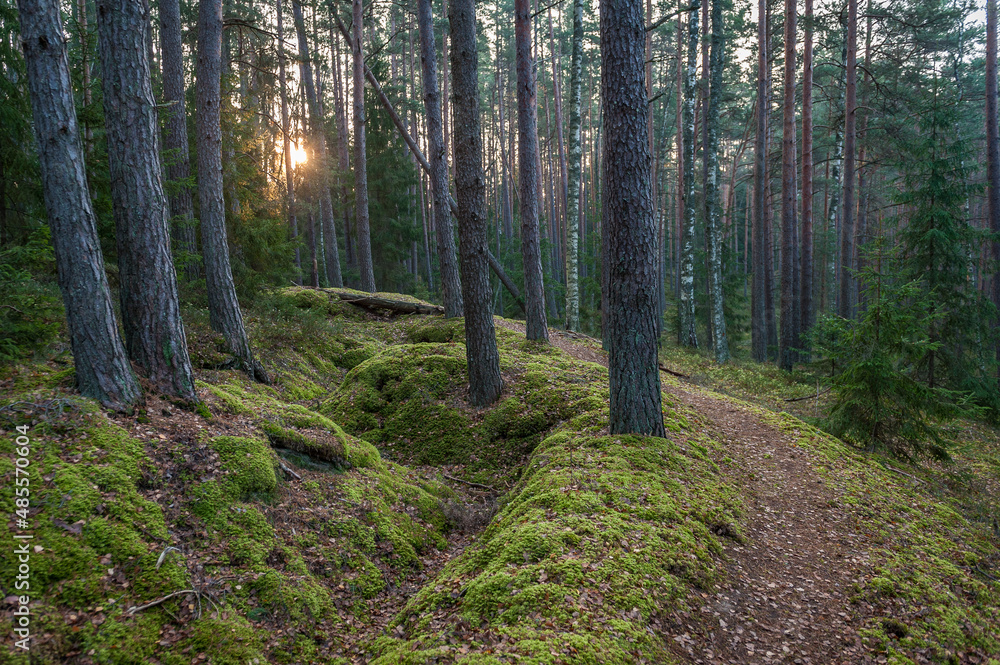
601 541
410 400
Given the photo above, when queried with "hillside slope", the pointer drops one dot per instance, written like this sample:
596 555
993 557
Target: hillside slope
360 511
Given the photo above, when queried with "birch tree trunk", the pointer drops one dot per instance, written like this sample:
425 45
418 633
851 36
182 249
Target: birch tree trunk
713 231
630 264
787 341
151 319
175 135
102 368
451 283
364 248
224 312
527 150
485 382
573 174
688 330
758 317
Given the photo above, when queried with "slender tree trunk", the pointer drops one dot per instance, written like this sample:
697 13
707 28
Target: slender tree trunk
343 145
154 333
627 223
331 252
688 331
557 98
360 159
678 261
451 283
175 137
573 197
223 308
787 324
293 224
102 368
527 144
713 231
993 149
485 382
808 316
845 306
758 318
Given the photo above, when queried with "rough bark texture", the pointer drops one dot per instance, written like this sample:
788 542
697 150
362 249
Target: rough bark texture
154 334
758 317
993 147
102 368
686 303
527 151
630 263
364 248
175 136
451 283
485 383
573 174
807 314
321 168
224 312
787 342
286 143
845 306
713 226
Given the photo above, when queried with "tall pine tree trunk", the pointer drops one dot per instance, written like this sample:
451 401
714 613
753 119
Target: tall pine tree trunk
758 316
807 314
845 305
527 144
485 382
321 168
686 303
224 312
175 136
102 368
630 264
451 283
573 174
343 143
286 144
151 319
364 248
713 230
993 149
787 342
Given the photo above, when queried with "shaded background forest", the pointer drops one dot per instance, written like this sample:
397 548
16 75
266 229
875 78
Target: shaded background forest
914 230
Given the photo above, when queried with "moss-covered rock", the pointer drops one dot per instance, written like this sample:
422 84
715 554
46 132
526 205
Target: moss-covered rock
249 465
315 443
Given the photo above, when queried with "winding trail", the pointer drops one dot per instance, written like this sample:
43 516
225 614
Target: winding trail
785 596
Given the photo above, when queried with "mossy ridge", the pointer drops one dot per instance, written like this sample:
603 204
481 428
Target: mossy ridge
602 538
926 553
409 400
86 469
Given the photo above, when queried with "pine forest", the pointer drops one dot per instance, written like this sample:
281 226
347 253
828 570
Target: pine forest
510 331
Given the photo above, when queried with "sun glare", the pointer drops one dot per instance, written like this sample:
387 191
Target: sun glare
298 155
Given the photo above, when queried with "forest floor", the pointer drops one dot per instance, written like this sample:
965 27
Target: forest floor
427 531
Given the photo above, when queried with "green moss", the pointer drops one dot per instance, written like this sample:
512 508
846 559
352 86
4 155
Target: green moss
598 533
248 464
316 444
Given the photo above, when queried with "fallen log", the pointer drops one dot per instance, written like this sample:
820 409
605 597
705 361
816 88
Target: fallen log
799 399
664 368
377 302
